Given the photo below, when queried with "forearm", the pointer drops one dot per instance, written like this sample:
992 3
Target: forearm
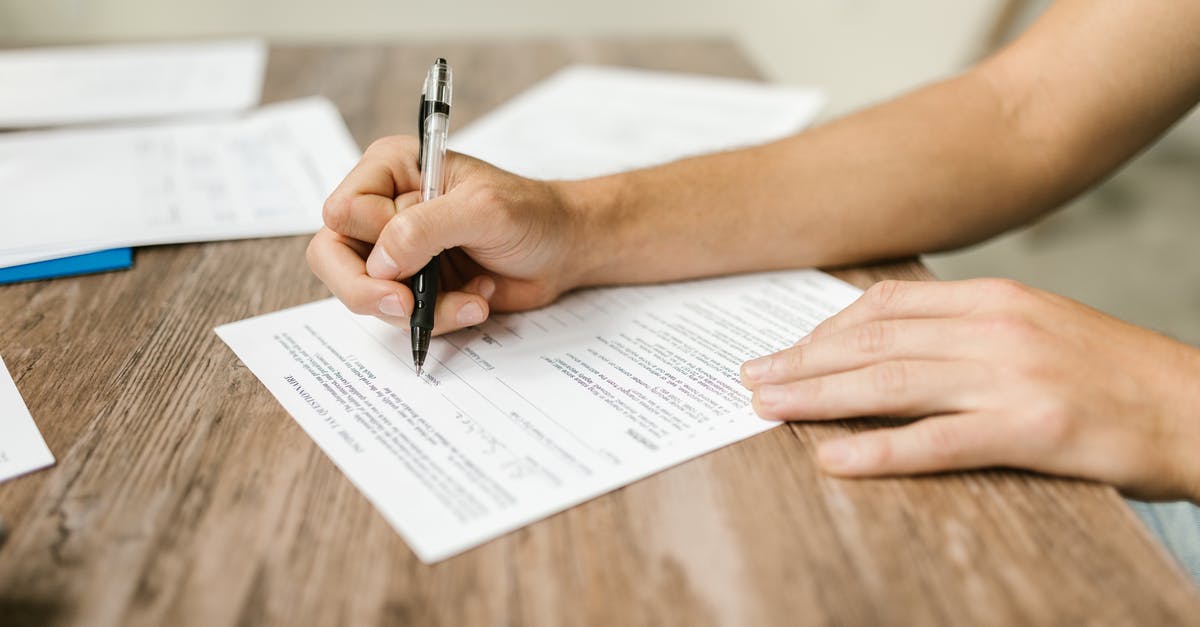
931 170
945 166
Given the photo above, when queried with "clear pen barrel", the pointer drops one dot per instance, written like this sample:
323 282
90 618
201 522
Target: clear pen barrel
432 178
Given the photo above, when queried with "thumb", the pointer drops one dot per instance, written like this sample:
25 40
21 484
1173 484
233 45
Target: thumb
414 235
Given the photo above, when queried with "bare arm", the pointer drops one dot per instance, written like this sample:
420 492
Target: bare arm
1087 87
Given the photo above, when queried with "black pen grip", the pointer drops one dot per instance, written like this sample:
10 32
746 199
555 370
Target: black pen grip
424 286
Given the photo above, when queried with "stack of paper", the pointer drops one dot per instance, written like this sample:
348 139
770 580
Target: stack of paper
80 196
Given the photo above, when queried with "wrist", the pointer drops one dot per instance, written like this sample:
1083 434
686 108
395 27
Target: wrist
1185 408
603 229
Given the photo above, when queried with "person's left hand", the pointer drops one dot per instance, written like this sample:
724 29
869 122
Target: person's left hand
1003 375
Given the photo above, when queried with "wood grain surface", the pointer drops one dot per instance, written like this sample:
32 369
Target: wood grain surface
185 495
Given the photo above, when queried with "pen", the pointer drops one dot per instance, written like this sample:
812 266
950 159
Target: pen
432 126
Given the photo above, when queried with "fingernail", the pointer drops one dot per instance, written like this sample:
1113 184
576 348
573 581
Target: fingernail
756 368
804 340
381 265
470 314
390 305
840 456
487 288
770 395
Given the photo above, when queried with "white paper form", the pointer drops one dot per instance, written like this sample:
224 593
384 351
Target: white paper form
22 448
588 121
70 85
529 413
263 174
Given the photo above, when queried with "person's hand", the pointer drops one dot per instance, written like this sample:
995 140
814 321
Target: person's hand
1003 375
508 243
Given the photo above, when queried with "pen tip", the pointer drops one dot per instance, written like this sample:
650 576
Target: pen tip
441 61
418 371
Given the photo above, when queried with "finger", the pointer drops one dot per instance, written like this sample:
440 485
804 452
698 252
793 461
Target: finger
338 262
358 217
461 309
404 201
388 167
936 444
918 299
363 217
363 202
905 388
868 343
415 235
519 294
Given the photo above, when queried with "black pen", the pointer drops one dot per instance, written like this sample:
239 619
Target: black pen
433 125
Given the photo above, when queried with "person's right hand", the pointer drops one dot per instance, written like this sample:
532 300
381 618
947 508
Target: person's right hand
508 243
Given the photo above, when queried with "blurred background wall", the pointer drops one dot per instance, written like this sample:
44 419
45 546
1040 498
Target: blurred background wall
867 48
1128 247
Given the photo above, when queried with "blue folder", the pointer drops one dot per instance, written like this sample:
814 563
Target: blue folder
100 261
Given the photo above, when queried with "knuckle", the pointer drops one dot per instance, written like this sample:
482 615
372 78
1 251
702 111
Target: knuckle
336 212
789 360
401 233
814 388
883 295
942 442
883 453
819 331
1013 329
766 410
798 401
392 144
874 337
1049 424
381 144
1004 290
312 254
891 378
488 197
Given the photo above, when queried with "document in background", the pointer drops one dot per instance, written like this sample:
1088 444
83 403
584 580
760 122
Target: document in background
22 448
587 121
529 413
264 174
68 85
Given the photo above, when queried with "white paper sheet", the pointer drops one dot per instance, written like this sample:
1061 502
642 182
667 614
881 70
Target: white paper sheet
263 174
589 121
529 413
67 85
22 448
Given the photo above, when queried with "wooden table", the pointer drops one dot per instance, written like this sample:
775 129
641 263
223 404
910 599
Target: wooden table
185 495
